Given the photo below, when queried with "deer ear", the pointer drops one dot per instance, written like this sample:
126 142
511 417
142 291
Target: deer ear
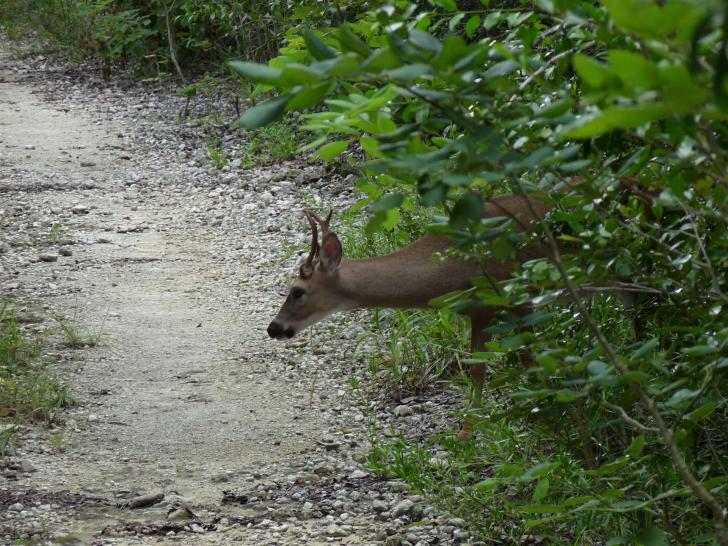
331 251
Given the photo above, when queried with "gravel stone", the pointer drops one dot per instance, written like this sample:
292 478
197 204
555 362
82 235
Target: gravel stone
403 411
402 508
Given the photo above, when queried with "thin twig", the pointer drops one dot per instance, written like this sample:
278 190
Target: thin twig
708 266
629 420
541 69
587 446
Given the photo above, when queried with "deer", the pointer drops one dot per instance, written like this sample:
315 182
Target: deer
408 278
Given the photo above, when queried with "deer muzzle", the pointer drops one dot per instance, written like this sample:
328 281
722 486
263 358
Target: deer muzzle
277 331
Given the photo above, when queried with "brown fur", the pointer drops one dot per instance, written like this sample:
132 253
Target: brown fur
410 277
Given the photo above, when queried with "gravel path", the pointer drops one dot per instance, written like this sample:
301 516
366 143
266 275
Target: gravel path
110 215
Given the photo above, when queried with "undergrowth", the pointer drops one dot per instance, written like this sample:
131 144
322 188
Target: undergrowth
28 389
271 144
521 479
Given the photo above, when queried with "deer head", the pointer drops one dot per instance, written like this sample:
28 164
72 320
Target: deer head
315 294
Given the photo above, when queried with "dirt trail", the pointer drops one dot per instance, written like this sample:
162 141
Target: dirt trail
181 396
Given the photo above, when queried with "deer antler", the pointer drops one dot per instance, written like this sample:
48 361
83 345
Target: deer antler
323 223
307 268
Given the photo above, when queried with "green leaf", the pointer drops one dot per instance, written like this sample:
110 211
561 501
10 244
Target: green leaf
309 97
263 113
699 350
189 91
448 5
389 202
425 41
311 145
538 157
615 117
487 485
351 42
532 523
468 210
343 65
644 349
332 149
681 397
316 46
472 26
409 72
594 73
370 146
538 471
541 508
382 59
651 537
256 72
455 21
502 68
453 49
633 69
702 412
637 446
300 74
541 490
680 93
555 109
386 219
648 19
597 367
492 19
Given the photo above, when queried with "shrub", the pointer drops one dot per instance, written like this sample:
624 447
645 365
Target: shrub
627 102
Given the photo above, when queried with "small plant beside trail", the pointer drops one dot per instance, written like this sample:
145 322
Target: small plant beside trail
270 144
74 337
28 390
57 233
416 349
217 155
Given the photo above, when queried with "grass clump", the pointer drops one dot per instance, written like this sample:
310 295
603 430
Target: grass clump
416 349
275 142
28 390
74 337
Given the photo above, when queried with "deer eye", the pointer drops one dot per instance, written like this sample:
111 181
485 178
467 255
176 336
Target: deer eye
297 292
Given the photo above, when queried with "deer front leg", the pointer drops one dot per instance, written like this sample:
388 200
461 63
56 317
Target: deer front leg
478 338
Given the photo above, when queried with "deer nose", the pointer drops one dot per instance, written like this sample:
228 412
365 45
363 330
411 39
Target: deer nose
275 330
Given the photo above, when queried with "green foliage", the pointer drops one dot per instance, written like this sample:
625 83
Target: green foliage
120 34
217 156
74 337
143 34
274 142
27 389
108 29
626 101
419 349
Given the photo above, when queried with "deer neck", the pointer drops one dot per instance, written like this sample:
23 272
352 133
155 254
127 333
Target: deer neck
409 278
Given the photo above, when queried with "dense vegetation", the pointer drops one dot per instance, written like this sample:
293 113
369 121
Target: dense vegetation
615 429
158 38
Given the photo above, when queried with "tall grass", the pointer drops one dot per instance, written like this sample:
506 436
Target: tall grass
28 390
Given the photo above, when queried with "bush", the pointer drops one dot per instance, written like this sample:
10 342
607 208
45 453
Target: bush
626 101
145 35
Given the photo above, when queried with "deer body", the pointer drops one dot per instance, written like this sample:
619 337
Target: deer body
408 278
